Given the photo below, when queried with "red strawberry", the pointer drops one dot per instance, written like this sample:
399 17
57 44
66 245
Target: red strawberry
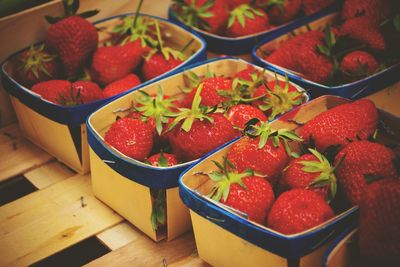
159 64
245 20
365 31
163 160
310 171
341 124
262 152
131 137
313 6
203 137
121 85
72 37
245 192
379 235
198 132
301 54
240 114
203 14
111 63
279 97
86 92
298 210
53 90
249 77
375 10
249 74
211 88
36 65
359 63
363 159
281 11
232 4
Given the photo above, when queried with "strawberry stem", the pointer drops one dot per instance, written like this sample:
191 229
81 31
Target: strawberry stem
137 13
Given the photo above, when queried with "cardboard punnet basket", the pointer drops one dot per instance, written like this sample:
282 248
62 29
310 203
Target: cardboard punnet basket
123 183
353 90
225 238
243 45
61 130
343 251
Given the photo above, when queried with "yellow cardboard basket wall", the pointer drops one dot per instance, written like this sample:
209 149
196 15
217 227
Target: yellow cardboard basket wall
123 183
61 130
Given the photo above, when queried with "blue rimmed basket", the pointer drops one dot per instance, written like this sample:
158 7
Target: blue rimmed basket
353 90
38 117
118 180
244 45
239 242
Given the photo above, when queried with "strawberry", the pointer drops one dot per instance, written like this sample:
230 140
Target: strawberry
36 65
262 151
240 114
245 20
301 54
119 86
375 10
298 210
310 171
279 97
131 137
72 37
232 4
341 124
251 78
281 11
204 14
244 192
359 63
53 90
111 63
360 161
210 89
365 31
195 132
163 160
379 232
313 6
159 62
86 92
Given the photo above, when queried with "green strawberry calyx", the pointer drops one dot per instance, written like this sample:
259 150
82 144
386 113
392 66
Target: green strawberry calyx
238 94
188 116
327 175
158 214
70 9
168 51
279 100
192 15
223 179
192 80
35 61
157 107
278 3
242 12
263 131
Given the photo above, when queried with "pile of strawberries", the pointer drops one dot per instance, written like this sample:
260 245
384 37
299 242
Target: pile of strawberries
365 42
236 18
288 181
73 68
165 130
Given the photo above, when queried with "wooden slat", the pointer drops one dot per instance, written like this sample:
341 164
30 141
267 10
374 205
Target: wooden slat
47 221
145 252
48 174
388 99
17 154
192 260
119 235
